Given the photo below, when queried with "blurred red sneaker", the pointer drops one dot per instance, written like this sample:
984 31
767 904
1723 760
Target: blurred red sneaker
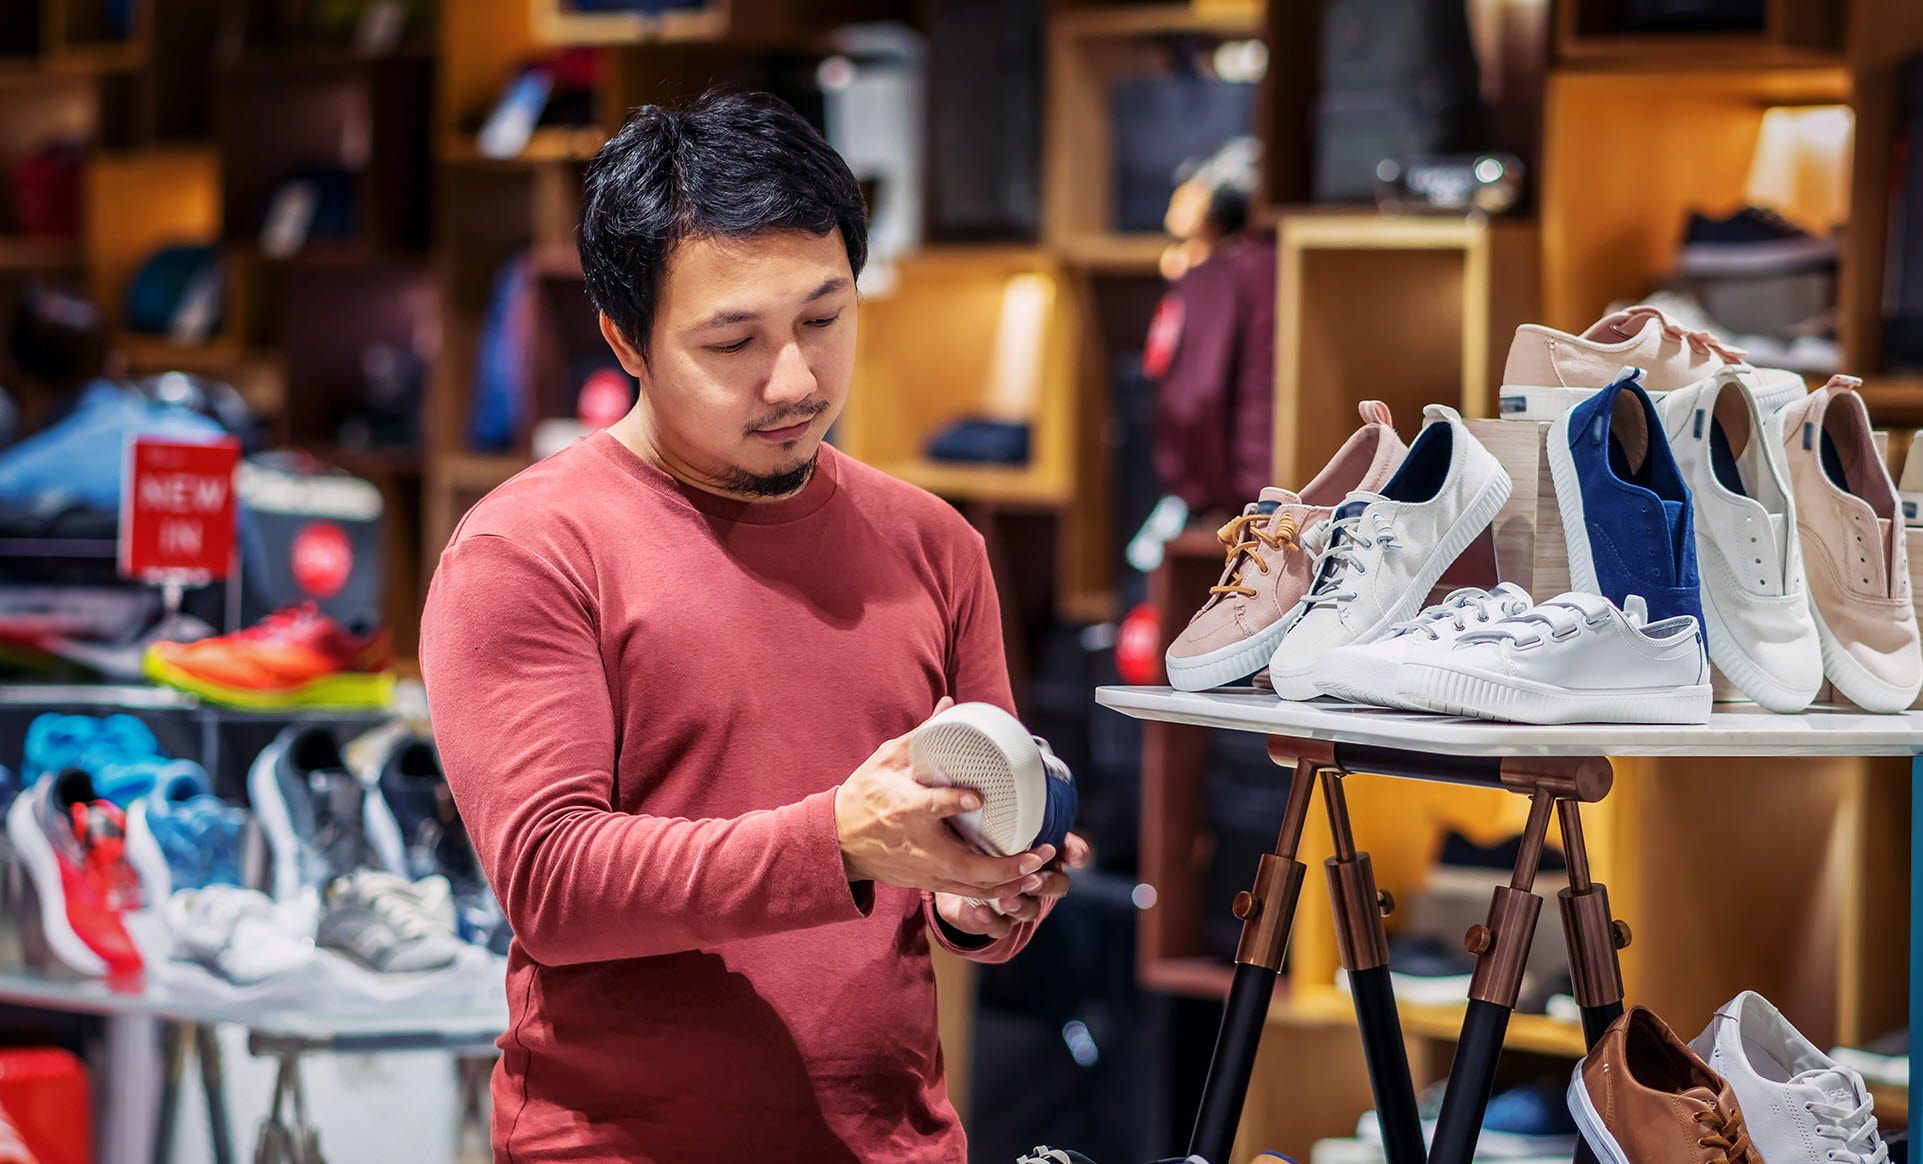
296 658
73 846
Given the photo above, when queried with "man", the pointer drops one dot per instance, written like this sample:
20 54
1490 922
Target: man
660 664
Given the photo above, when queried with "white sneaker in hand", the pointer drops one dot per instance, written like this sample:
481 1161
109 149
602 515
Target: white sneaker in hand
1756 607
1802 1107
1366 672
1386 550
1573 659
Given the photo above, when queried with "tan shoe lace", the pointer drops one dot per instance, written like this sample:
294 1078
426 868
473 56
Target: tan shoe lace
1726 1133
1702 341
1246 537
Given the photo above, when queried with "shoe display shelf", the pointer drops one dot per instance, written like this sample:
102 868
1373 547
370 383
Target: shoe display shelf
1455 288
288 1036
1782 30
1801 908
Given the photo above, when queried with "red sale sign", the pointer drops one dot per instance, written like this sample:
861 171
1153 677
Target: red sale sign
177 512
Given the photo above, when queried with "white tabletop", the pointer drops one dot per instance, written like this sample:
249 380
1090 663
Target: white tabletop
1739 730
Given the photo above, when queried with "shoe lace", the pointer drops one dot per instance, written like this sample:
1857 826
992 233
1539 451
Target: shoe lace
1726 1134
1339 558
1702 341
1245 538
1564 620
396 904
1852 1126
1459 610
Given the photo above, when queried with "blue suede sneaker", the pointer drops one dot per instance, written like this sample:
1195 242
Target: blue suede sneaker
181 836
1625 508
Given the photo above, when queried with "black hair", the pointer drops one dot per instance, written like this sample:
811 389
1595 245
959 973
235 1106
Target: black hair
730 165
57 337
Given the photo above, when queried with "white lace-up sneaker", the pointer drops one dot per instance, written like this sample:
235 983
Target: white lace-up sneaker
1386 550
1573 659
1802 1107
1755 602
1366 672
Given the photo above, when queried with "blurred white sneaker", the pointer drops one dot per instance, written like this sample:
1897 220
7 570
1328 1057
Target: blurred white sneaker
238 933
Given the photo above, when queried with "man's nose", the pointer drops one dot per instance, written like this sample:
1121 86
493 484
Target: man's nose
792 380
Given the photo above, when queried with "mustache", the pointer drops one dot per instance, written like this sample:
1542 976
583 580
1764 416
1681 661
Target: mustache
789 416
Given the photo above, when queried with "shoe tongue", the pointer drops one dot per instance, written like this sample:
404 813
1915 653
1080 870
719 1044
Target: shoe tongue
1830 1084
1699 1097
1509 590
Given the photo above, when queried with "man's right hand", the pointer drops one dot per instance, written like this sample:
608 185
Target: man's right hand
893 829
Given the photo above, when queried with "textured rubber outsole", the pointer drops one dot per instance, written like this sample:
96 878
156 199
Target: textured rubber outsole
1589 1122
1457 692
1853 680
1225 665
359 690
1294 684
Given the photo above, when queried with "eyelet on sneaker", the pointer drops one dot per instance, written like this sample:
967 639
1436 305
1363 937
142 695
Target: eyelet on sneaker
1563 638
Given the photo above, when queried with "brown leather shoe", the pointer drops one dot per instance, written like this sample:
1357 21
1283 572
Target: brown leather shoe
1643 1097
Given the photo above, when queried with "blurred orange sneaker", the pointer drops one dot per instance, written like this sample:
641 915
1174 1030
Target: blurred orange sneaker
296 658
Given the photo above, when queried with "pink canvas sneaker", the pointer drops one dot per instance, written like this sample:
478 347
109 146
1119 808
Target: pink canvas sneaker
1549 371
1271 559
1853 547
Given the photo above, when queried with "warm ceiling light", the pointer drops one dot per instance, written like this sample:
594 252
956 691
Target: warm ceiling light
1801 167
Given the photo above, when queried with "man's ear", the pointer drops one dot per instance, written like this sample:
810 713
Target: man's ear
624 351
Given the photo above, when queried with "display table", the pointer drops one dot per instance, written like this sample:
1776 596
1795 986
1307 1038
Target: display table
1559 768
282 1032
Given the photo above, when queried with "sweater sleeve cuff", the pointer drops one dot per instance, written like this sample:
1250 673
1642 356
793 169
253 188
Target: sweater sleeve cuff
973 947
810 828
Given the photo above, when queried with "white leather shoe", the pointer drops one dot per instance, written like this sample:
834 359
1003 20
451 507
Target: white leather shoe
1756 605
1802 1107
1366 672
1386 550
1573 659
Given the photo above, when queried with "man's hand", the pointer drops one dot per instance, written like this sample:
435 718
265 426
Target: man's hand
972 917
893 829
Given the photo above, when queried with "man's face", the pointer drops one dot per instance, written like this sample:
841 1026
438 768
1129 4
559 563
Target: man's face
751 357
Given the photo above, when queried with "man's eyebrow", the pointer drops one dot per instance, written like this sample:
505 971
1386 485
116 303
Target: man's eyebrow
730 318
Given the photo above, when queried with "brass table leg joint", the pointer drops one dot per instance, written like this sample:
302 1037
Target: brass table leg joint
1266 911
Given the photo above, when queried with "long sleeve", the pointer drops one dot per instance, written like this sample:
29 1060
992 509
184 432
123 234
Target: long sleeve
978 671
526 725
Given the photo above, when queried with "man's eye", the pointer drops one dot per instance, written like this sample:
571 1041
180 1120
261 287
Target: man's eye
730 349
825 320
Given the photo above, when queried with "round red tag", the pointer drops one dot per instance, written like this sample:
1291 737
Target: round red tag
323 558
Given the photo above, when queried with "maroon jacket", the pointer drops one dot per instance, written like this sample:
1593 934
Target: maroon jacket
1212 354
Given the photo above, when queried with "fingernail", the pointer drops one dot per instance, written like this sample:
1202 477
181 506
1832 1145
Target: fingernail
971 802
1031 884
1031 863
1047 853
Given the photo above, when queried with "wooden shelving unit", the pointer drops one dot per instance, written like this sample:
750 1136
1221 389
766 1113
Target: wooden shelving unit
1456 290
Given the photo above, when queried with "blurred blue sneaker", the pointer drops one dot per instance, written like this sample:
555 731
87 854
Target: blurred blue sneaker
118 751
181 836
1528 1121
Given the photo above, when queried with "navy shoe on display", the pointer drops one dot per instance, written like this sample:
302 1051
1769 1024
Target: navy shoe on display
1752 241
1625 508
432 840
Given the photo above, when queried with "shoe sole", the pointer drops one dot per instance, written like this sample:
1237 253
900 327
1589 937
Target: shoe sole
1849 676
1476 516
1224 665
980 746
32 849
1357 690
1590 1123
357 690
270 811
1457 692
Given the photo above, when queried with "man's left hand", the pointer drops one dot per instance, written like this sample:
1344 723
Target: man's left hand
1050 883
